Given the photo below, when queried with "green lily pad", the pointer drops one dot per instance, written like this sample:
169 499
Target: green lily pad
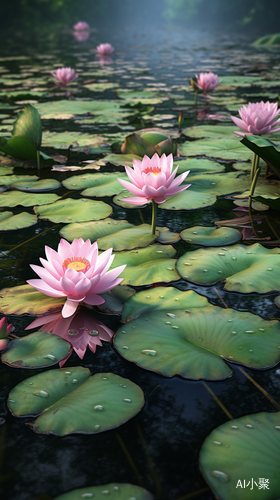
265 188
240 80
73 401
38 349
117 491
238 453
62 140
39 186
224 149
103 184
268 40
121 159
171 341
210 236
69 210
198 166
93 230
118 199
28 124
245 269
5 171
20 147
143 96
100 87
115 299
209 131
7 180
14 198
270 202
10 222
68 109
153 264
24 299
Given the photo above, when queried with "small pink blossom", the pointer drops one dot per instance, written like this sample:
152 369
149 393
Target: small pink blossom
82 330
207 81
258 118
65 75
77 272
81 26
5 329
105 49
153 179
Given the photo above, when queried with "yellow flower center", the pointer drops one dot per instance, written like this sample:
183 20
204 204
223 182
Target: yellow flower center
77 263
153 170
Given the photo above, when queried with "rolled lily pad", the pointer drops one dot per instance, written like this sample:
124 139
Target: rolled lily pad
210 236
238 453
73 401
69 210
192 342
24 299
14 198
20 147
103 184
117 491
245 269
39 186
154 264
10 222
38 349
28 124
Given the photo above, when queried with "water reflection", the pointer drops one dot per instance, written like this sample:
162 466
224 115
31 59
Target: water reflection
82 330
81 36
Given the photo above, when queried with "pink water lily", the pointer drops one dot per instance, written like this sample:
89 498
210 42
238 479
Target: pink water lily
257 118
65 75
105 49
82 330
77 272
81 26
5 329
207 81
153 179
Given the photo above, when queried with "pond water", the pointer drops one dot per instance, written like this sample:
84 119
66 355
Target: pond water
159 448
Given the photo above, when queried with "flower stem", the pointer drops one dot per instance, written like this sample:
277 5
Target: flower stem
195 98
154 217
38 160
253 185
255 166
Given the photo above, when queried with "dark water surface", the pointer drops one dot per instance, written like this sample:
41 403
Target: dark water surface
164 439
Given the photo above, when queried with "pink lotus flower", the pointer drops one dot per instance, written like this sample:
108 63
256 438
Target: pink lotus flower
258 118
5 329
65 75
81 26
77 272
153 179
207 81
104 49
81 330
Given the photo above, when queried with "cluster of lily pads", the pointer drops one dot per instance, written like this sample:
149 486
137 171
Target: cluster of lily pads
163 328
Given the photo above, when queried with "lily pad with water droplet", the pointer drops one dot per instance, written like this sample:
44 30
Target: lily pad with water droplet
39 186
238 453
103 184
153 264
10 222
101 402
69 210
116 491
195 342
24 299
245 269
14 198
210 236
38 349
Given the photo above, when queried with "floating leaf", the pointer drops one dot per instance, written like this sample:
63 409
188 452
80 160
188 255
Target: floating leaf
268 40
10 222
223 148
115 299
69 210
196 166
209 131
210 236
121 159
192 342
38 186
265 150
93 230
24 299
14 198
7 180
245 269
236 454
28 124
154 264
38 349
64 109
104 184
72 401
117 491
